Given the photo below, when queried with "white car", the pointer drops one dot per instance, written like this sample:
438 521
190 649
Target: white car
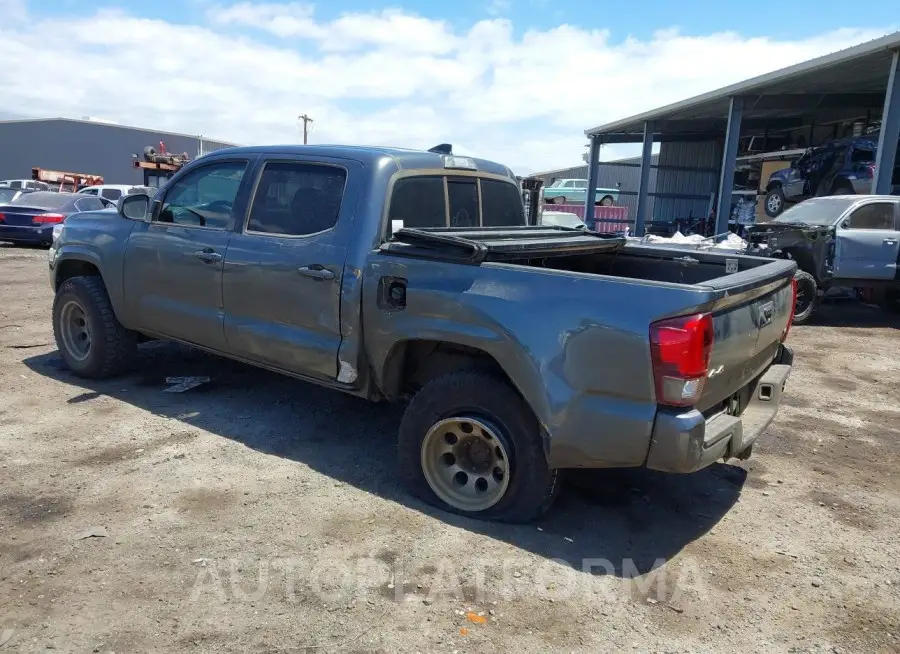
562 219
25 184
110 192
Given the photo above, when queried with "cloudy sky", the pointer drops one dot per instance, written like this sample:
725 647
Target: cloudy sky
514 80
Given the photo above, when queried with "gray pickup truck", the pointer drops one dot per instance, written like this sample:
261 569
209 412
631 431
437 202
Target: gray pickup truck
400 275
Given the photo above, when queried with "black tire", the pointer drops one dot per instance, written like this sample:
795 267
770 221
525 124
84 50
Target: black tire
889 300
533 485
112 347
807 297
774 204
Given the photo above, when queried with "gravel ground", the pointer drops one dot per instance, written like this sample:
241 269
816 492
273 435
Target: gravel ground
256 513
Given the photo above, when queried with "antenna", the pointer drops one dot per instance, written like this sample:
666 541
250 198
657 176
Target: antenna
443 148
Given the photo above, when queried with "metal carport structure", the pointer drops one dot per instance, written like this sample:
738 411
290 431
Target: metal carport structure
862 81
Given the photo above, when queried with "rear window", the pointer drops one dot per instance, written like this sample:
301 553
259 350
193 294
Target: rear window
111 193
501 204
421 202
43 200
463 196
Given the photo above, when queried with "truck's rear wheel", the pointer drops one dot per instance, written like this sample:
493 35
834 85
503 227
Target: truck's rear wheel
807 297
470 445
90 339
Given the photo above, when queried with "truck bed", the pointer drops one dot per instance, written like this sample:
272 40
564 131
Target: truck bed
579 251
750 298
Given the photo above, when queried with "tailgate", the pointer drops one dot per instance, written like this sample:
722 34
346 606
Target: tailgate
748 322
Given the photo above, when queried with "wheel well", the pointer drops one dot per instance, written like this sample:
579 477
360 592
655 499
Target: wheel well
412 364
772 186
805 261
75 268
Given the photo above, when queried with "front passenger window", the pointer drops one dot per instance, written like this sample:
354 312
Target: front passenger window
204 197
878 215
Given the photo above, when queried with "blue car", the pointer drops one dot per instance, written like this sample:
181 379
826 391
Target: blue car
842 167
30 217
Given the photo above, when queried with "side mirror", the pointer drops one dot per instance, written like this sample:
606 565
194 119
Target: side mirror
134 207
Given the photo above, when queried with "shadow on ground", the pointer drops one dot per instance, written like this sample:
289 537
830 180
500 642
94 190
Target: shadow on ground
849 312
613 515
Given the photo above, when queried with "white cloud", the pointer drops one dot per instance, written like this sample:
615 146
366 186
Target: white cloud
390 77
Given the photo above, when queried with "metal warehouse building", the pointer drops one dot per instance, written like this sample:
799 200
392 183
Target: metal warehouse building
705 139
626 172
86 146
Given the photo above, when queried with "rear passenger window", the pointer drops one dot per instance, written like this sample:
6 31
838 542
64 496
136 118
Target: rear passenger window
419 202
111 193
297 199
501 204
873 216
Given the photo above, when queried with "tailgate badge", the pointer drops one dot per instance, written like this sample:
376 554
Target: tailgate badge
765 314
715 371
731 266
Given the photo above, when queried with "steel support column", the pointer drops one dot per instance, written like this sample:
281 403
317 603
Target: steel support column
729 154
885 160
644 187
593 176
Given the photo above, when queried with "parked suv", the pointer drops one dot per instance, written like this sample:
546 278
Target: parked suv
842 167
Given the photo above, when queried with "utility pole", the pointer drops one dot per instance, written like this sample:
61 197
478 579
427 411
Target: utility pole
306 120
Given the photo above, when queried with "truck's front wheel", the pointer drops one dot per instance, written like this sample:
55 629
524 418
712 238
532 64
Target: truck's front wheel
470 445
807 297
90 339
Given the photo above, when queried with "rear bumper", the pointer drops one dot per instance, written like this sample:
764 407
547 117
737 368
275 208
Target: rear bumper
26 234
685 441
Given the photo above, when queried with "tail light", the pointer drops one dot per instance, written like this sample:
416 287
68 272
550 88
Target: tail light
680 349
787 328
48 218
2 218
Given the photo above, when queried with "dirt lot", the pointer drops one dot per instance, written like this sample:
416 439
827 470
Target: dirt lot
260 514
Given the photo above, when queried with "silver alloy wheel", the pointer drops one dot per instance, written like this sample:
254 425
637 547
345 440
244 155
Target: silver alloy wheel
774 203
75 330
465 463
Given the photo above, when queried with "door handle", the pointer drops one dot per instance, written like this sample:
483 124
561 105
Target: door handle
316 271
208 255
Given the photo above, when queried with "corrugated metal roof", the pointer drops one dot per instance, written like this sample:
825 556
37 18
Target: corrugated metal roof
103 123
860 69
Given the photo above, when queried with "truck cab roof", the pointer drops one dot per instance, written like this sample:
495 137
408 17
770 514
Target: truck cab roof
403 158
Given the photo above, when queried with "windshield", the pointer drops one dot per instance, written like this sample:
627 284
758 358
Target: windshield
43 200
7 194
556 184
816 211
